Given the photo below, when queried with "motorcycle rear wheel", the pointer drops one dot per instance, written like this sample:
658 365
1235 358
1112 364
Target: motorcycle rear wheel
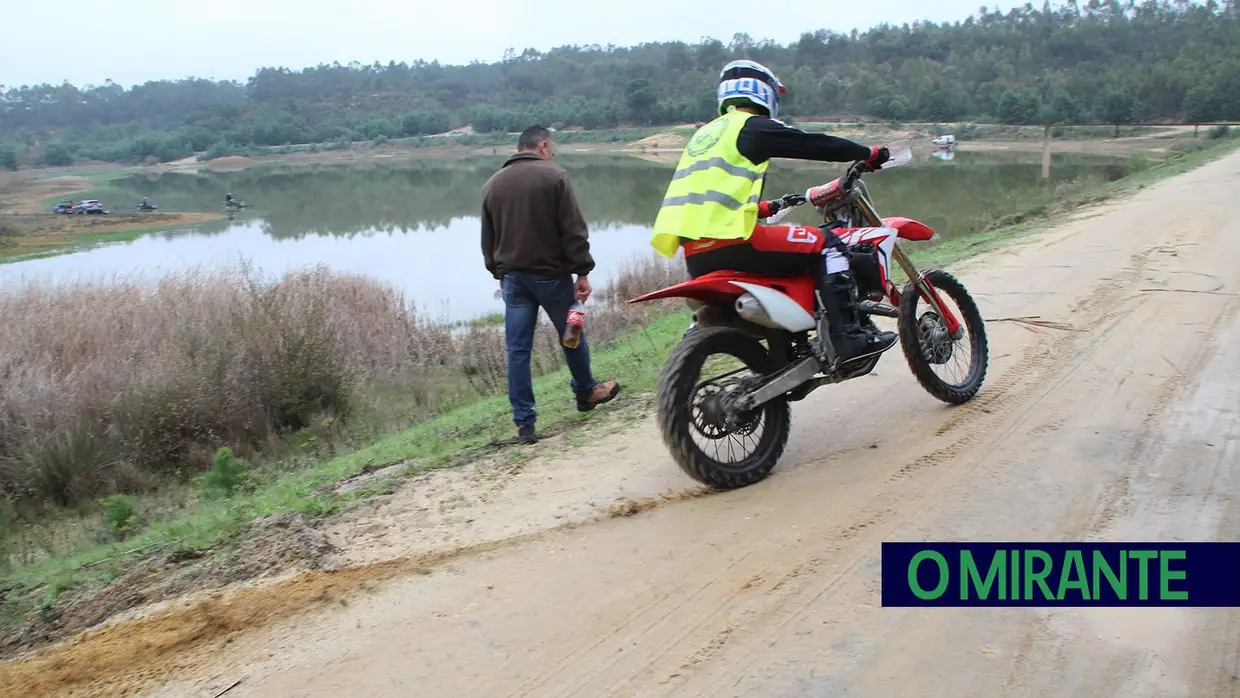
679 418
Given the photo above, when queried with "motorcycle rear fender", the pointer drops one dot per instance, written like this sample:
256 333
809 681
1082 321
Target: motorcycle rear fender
717 288
788 300
711 289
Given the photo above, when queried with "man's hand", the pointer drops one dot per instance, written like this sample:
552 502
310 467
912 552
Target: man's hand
582 289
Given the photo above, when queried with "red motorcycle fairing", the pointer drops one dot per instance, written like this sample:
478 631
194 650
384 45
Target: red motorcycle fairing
717 288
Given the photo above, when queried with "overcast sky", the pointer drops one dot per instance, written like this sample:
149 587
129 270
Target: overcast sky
132 41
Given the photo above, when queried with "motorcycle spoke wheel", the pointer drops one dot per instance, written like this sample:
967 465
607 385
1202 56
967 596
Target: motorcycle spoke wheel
727 438
950 369
712 442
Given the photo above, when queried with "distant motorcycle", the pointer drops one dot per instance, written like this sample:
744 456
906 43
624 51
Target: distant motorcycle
146 207
232 207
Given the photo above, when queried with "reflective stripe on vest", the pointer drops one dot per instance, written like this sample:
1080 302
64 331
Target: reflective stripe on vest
715 190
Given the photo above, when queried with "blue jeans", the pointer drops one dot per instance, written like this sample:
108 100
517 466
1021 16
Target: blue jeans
523 295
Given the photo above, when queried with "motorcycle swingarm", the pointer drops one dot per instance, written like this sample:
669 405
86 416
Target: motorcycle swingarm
787 379
799 380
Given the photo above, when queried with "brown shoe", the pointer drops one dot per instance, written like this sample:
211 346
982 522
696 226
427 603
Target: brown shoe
603 392
526 435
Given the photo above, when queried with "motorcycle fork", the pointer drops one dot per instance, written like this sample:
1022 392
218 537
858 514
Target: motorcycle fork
924 288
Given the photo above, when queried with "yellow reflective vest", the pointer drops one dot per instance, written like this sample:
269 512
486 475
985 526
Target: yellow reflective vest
715 190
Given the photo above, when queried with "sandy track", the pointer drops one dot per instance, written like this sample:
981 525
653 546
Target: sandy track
1122 427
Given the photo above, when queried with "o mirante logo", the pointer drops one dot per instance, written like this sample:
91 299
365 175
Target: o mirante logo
1061 574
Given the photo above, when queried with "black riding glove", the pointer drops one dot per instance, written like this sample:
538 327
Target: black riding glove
878 155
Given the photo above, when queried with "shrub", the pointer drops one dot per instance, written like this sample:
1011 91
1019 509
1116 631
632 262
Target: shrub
107 382
227 475
117 386
121 515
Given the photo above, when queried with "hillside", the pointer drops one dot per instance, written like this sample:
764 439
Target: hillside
1102 62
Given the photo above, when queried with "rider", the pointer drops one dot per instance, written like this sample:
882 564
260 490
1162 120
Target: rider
713 205
228 198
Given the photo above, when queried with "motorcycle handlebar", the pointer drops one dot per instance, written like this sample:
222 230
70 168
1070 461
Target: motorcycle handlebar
854 173
900 154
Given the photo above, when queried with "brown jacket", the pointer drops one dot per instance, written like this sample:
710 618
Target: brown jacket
531 222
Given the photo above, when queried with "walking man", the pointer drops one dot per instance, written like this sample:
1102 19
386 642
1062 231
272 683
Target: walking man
534 239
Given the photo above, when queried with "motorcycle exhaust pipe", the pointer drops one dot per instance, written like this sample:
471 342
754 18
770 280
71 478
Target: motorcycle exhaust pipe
750 308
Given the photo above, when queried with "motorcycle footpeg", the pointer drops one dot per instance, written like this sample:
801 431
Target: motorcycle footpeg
877 308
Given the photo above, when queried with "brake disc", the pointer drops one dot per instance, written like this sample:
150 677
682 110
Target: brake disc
715 416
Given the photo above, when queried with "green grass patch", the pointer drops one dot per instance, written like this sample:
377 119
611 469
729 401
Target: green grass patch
99 173
97 178
490 319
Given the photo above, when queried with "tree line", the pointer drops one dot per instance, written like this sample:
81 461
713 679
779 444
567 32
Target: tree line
1101 61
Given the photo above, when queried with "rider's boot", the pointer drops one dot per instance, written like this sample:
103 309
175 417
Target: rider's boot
851 338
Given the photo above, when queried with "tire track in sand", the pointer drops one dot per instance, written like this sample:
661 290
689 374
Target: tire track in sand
1023 385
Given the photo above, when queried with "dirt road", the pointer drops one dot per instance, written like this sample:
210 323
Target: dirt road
1122 427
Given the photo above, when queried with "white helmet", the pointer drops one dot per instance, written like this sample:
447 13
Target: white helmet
749 81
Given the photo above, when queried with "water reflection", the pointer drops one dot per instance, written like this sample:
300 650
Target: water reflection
416 224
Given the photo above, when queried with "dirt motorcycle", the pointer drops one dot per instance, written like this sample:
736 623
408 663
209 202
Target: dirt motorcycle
734 313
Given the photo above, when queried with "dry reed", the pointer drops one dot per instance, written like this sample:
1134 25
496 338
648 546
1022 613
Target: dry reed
115 386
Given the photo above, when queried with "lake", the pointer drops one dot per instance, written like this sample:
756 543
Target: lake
415 224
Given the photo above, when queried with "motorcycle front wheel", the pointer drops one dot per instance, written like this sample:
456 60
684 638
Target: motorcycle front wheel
929 348
711 443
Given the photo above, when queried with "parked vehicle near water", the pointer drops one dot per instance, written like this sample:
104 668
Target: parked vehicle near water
89 206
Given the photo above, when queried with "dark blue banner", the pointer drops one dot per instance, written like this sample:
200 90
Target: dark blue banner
1061 574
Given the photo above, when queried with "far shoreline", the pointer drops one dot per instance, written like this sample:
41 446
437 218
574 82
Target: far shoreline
665 144
28 230
24 237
